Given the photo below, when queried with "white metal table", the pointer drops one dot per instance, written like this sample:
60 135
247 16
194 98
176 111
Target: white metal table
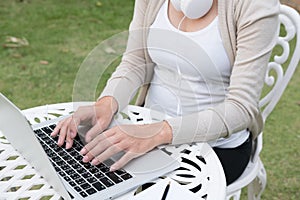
200 171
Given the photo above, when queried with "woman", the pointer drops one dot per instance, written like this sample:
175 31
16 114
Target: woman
204 69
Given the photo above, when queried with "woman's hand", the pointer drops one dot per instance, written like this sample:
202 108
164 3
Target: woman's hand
134 140
98 116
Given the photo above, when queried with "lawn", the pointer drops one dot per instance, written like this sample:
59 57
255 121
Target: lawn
54 37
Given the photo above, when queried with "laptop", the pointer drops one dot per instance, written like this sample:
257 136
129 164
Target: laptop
64 170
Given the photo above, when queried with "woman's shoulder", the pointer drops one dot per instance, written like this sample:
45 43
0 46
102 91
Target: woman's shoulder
254 4
246 10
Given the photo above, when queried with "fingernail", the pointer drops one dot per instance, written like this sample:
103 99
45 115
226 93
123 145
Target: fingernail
72 134
83 151
68 145
85 159
112 168
95 162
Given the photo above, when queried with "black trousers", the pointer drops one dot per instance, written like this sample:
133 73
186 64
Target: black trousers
234 160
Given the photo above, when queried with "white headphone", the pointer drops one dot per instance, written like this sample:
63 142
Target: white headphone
193 9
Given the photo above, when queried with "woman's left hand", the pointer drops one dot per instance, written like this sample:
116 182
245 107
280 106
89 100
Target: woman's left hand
134 140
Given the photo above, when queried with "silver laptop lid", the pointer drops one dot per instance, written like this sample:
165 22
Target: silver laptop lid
19 133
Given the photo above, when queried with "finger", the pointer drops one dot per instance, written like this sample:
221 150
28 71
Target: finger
109 152
73 126
93 132
96 150
71 131
69 139
89 146
55 131
109 137
63 132
128 156
98 145
57 128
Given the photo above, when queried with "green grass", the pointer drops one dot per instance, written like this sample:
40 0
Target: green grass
59 32
64 32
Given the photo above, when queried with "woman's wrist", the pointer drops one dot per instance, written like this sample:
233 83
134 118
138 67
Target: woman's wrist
165 136
108 101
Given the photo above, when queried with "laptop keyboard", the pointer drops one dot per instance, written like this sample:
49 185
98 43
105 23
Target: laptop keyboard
85 178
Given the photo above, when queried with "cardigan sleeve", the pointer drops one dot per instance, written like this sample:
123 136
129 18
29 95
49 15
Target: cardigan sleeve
132 71
256 28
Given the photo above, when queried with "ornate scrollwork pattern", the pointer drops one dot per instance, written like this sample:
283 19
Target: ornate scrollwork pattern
276 83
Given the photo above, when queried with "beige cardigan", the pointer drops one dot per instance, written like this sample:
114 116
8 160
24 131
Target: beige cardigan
248 30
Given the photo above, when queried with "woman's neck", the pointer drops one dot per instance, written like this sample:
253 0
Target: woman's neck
185 24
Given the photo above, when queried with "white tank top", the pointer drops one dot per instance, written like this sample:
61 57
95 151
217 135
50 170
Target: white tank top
192 71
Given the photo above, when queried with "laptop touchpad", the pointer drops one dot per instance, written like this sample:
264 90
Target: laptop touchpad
152 161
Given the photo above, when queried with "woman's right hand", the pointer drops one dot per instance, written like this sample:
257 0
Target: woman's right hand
98 116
